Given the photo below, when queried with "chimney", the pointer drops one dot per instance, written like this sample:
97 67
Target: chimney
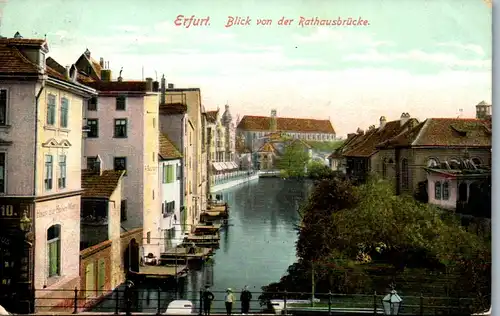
273 123
162 96
371 127
383 120
156 86
106 75
67 74
404 118
359 131
149 84
101 62
171 86
74 73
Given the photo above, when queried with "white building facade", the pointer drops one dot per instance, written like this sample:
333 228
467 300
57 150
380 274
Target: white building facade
40 176
170 183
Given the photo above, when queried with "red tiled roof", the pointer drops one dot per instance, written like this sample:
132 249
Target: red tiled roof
118 86
167 148
13 61
33 42
262 123
450 132
100 186
55 65
351 138
378 135
212 116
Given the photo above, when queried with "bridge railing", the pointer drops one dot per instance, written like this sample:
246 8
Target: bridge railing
155 301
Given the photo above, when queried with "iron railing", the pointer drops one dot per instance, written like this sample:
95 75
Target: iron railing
156 301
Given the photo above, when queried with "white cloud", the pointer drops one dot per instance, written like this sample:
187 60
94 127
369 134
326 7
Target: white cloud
445 59
467 47
126 28
345 37
125 40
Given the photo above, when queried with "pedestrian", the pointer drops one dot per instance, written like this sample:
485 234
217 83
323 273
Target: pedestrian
229 299
208 297
245 299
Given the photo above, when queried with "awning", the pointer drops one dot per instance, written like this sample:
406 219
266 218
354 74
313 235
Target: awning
226 165
217 166
235 165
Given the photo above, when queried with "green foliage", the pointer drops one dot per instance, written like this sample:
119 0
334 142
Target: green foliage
294 160
325 146
360 239
317 170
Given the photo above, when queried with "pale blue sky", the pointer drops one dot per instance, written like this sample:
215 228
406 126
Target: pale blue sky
428 58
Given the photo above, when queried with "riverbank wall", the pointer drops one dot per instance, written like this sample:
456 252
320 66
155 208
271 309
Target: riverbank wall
233 183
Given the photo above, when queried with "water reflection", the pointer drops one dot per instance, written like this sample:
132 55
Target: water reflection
256 248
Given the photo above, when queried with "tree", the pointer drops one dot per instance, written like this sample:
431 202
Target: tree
362 239
317 170
294 159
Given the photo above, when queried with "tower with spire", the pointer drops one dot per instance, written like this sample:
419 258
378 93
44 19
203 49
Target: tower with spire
227 122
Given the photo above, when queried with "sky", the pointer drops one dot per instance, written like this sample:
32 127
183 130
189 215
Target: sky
427 58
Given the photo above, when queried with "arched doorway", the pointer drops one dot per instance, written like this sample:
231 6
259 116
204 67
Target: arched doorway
131 256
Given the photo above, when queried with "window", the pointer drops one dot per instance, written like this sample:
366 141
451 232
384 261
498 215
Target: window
120 163
437 190
432 163
93 163
404 173
168 208
446 191
3 172
90 280
120 128
476 162
154 154
92 104
48 172
93 125
148 237
51 109
64 113
3 107
154 122
153 194
54 250
168 173
178 172
61 181
121 103
123 211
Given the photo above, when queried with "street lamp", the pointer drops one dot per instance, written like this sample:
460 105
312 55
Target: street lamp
392 303
25 223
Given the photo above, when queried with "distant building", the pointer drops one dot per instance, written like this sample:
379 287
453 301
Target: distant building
170 164
182 121
363 156
483 111
252 128
221 141
40 176
431 142
461 186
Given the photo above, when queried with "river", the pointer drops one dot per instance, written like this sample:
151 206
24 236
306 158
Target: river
255 249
